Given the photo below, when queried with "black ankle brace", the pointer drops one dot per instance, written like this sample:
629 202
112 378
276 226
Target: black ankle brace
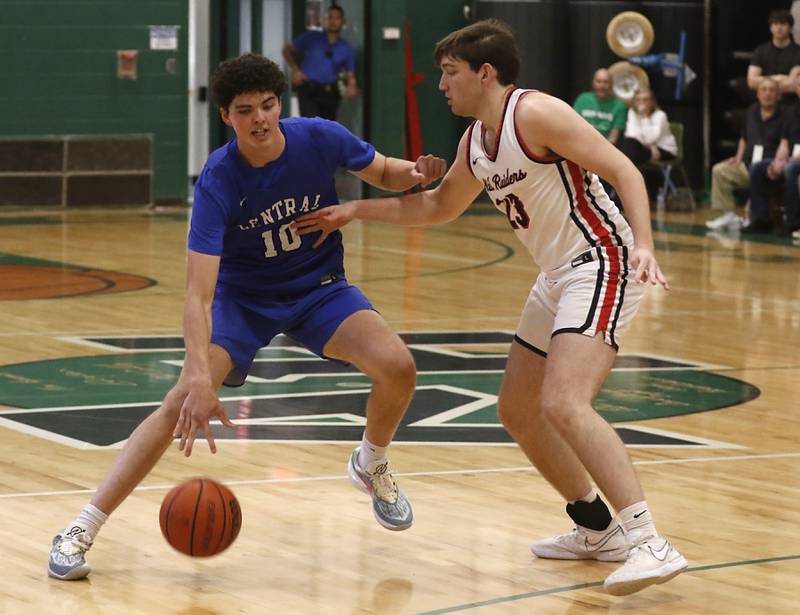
593 515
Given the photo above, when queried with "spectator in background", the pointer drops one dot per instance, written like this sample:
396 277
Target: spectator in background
606 113
778 58
786 166
761 135
791 173
647 132
326 57
601 108
795 12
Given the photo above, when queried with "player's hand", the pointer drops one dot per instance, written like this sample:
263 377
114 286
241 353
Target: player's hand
199 406
646 268
351 91
428 169
298 77
775 169
325 221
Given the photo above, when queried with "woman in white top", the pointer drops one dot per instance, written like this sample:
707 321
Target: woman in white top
647 134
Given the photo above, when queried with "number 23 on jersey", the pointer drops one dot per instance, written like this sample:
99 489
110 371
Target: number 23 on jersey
515 211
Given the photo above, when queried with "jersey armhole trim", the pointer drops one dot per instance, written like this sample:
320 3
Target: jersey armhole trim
469 148
531 156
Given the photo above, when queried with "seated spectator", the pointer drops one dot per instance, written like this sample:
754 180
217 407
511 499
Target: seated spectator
778 58
761 135
606 113
787 166
761 174
647 132
601 108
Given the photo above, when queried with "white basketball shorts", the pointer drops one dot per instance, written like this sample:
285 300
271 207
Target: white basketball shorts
593 293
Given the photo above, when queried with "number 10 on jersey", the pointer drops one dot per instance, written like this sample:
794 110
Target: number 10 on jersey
287 237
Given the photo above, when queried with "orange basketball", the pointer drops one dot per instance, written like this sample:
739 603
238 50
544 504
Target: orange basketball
200 517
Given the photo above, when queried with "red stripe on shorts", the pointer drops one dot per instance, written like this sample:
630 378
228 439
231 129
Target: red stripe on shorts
603 234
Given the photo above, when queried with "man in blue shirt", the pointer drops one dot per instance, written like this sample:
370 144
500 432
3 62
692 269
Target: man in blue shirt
251 276
326 56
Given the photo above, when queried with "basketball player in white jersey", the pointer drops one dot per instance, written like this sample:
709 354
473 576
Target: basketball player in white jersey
539 162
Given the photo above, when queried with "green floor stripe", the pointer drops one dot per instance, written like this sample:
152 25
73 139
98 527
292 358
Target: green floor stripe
569 588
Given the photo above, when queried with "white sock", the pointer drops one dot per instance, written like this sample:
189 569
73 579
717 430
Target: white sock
90 520
588 498
636 519
369 453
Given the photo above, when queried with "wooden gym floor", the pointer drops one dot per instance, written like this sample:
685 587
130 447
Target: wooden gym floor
705 391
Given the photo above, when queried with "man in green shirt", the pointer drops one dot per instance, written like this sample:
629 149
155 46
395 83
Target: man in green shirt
601 108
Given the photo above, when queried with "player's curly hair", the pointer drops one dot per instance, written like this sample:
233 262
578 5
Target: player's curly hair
250 72
490 41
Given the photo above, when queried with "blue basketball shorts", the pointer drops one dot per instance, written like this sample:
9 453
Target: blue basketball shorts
244 322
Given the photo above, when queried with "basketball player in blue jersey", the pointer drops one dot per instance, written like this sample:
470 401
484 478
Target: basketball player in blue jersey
251 276
532 154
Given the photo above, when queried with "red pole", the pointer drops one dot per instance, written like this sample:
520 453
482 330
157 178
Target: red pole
413 144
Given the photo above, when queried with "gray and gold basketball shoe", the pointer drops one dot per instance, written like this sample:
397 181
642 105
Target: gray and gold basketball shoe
67 561
389 504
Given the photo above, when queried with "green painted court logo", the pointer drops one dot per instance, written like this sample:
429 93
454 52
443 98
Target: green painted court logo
293 395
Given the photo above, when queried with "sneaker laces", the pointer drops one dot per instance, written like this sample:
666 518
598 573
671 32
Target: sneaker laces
639 545
73 545
382 483
566 538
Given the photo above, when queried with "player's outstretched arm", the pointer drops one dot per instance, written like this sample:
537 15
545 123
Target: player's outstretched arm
200 401
395 175
549 124
444 203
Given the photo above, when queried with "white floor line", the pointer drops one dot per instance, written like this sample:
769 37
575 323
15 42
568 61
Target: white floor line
306 479
111 332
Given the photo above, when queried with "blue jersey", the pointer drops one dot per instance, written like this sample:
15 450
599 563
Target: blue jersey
323 61
243 214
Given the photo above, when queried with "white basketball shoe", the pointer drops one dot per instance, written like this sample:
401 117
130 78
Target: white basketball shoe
651 560
583 543
727 220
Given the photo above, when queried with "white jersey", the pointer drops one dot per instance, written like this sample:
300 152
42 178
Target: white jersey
556 208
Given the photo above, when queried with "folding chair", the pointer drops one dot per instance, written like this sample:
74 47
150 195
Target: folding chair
668 187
